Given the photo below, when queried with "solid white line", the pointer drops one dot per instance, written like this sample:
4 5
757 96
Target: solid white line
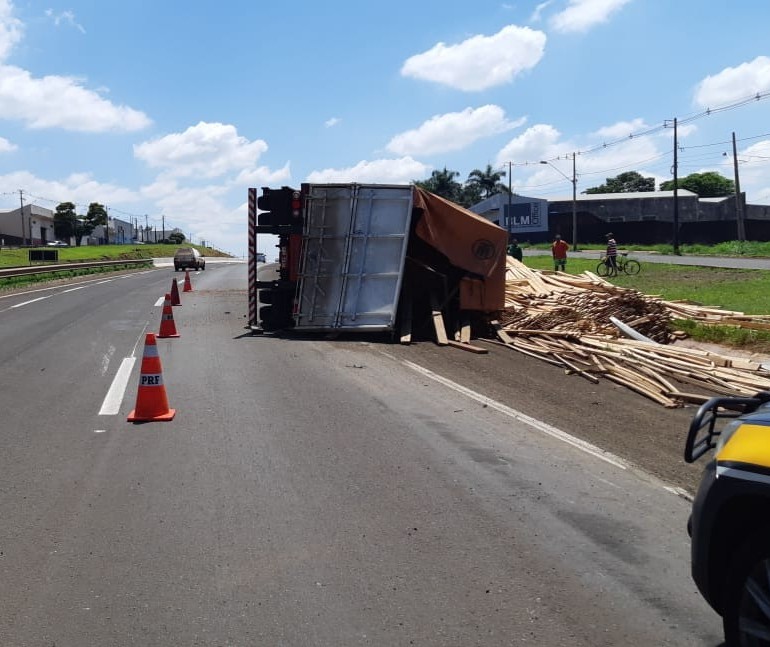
73 289
18 305
541 426
114 397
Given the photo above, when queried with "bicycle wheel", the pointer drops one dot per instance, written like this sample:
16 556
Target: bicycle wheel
602 269
631 267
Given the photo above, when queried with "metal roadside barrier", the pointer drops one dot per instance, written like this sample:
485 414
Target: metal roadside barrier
11 272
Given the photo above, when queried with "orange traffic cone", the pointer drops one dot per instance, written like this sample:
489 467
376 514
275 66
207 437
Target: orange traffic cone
151 400
187 284
167 325
175 300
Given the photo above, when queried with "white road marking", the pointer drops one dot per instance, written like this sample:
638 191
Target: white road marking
25 303
114 397
160 301
539 425
81 287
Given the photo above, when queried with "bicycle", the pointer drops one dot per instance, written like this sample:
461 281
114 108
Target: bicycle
623 264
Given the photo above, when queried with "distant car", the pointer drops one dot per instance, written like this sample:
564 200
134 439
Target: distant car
57 243
188 258
261 258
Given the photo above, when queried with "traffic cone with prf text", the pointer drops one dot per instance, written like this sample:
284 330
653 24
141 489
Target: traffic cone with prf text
167 325
151 400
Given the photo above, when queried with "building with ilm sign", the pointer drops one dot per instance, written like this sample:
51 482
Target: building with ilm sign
523 218
644 217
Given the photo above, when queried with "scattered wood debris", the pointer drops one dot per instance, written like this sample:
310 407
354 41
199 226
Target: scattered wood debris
566 320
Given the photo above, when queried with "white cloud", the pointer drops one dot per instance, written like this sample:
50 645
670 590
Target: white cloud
54 101
11 29
581 15
67 17
329 123
538 12
383 171
80 188
452 131
734 83
263 176
206 150
535 143
6 146
479 62
61 102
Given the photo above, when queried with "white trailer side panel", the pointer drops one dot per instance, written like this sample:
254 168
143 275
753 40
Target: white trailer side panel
354 249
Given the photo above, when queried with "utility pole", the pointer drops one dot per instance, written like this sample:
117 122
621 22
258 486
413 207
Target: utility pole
574 205
738 201
163 220
21 211
510 194
676 192
146 228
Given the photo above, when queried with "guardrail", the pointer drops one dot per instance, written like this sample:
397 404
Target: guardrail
11 272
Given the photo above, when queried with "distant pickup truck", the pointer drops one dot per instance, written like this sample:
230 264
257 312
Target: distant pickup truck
261 258
188 258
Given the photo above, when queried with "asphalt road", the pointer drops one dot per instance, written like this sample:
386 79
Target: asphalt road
318 492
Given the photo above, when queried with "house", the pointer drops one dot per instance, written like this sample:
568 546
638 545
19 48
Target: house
27 225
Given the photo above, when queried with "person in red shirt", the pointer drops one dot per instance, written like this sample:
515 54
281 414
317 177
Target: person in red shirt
559 250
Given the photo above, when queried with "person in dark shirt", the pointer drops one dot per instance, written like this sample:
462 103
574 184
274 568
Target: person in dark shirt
514 250
612 253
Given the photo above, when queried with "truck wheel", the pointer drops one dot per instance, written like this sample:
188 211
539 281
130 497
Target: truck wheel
746 612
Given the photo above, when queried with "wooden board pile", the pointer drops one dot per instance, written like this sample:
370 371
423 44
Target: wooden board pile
565 320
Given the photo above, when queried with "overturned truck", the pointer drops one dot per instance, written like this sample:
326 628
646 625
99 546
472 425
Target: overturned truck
372 257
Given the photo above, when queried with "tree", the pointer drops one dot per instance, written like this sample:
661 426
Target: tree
176 237
442 183
487 181
97 215
65 222
706 185
628 182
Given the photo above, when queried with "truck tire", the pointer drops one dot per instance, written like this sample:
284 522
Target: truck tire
747 593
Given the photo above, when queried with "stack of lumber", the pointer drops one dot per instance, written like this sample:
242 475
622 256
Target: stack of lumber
583 303
712 315
565 320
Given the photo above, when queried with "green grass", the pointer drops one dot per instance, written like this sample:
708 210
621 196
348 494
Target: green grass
751 249
20 257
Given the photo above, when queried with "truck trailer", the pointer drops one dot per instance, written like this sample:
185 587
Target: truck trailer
371 258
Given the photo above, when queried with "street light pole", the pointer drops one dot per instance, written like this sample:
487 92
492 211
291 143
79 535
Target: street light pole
510 217
572 179
574 205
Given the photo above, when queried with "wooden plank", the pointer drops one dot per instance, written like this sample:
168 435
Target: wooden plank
504 336
406 317
438 322
469 347
465 330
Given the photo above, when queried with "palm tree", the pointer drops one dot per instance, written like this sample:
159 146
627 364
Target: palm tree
487 181
442 183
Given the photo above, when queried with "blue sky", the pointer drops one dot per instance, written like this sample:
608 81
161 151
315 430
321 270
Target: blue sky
173 109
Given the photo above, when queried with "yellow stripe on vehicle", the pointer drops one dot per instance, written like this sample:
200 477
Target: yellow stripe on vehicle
748 444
